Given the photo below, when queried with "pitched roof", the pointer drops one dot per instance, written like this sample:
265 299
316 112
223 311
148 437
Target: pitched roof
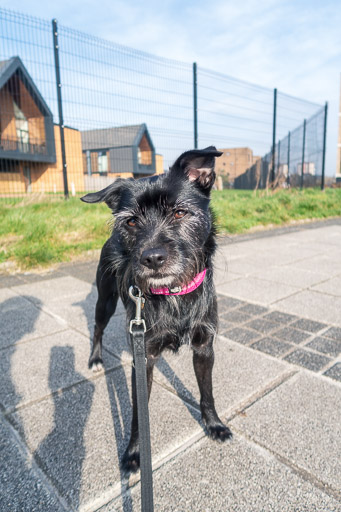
121 136
13 66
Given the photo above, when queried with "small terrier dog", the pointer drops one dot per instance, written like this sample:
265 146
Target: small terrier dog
163 241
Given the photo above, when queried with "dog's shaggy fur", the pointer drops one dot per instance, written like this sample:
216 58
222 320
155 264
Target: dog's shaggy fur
163 236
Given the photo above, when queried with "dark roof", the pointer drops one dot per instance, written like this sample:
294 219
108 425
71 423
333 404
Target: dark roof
121 136
13 66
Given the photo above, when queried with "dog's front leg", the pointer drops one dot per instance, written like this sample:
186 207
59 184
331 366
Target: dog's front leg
131 458
203 360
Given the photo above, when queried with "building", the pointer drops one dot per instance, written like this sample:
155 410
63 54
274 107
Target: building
308 168
30 149
30 156
118 152
234 162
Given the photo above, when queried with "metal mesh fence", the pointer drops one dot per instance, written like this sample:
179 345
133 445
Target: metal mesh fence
119 112
296 160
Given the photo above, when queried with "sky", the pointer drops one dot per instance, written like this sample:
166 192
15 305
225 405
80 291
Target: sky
294 45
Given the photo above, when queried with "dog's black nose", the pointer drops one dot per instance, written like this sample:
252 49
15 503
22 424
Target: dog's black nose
153 258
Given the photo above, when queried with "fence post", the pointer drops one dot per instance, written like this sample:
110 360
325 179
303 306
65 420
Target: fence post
324 144
60 106
195 105
288 160
274 137
303 150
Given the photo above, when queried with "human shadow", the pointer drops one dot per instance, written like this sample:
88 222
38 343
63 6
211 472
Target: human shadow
119 390
62 452
14 326
18 317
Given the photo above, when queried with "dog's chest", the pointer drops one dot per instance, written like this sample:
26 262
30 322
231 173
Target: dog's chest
170 325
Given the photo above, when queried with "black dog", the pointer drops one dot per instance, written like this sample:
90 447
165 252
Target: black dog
163 241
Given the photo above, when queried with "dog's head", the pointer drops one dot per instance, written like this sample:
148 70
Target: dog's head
163 229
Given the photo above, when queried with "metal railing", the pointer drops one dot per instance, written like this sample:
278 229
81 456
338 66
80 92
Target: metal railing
141 102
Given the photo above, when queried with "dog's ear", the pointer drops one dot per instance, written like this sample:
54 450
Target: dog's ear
198 166
109 194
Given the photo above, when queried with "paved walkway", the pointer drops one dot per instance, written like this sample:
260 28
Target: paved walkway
277 382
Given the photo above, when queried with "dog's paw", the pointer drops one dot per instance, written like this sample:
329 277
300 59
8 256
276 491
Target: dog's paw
96 364
130 462
219 432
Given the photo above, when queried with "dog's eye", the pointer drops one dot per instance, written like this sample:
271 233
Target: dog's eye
132 222
179 214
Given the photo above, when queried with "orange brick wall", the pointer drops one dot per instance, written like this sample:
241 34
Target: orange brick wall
234 162
49 178
159 164
7 120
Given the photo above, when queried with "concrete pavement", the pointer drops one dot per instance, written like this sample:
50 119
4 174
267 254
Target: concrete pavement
277 380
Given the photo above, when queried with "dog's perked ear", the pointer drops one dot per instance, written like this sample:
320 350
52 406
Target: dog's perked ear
109 194
198 166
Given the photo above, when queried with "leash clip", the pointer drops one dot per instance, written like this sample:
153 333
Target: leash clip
139 302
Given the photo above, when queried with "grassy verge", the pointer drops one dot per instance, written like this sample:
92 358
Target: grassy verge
35 234
238 211
46 232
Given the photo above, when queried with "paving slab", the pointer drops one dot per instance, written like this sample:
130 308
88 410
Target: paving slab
79 434
326 263
221 270
242 335
324 235
272 346
326 346
257 290
301 421
308 359
232 363
228 303
333 333
21 320
21 487
84 271
261 325
280 318
54 290
292 335
313 305
330 286
238 476
39 367
287 274
334 372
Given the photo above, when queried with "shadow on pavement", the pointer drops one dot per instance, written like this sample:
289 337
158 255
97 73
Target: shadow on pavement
62 452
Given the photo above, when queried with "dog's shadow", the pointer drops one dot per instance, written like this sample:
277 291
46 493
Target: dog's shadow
116 343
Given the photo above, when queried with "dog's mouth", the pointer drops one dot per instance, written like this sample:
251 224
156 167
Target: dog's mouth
166 281
158 280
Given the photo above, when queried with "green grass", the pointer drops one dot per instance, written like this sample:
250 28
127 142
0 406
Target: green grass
47 232
238 211
34 234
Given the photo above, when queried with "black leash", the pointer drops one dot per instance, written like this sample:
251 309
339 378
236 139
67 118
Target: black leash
137 330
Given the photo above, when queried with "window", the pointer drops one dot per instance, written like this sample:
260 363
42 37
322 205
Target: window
139 156
9 166
21 125
102 161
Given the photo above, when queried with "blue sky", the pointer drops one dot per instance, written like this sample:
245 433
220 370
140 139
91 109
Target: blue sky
292 45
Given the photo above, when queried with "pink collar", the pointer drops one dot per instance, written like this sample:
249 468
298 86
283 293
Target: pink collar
181 291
